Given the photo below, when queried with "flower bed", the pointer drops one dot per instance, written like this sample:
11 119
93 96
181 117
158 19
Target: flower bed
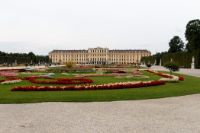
8 79
8 73
159 74
114 71
167 77
48 80
2 80
9 76
101 75
11 81
181 78
121 85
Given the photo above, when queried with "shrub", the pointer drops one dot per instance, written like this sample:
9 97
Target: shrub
69 64
172 67
148 65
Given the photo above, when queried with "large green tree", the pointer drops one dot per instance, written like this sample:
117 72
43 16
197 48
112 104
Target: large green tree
175 45
192 35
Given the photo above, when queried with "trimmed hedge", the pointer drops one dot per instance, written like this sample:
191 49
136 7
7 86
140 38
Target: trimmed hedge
182 59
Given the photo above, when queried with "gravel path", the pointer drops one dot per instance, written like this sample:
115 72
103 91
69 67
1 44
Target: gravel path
168 115
191 72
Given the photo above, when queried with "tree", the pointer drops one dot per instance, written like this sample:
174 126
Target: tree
192 35
175 45
22 58
31 54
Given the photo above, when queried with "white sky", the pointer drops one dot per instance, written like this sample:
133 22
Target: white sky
43 25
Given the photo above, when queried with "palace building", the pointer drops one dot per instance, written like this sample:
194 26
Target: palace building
98 56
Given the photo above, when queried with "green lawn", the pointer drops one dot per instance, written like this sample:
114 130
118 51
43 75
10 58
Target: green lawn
190 85
2 78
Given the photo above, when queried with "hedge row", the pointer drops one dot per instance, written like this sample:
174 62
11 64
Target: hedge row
183 59
23 59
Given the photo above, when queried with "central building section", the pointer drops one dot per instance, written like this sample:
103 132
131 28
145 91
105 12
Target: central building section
98 56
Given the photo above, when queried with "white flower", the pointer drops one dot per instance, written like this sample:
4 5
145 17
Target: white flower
11 81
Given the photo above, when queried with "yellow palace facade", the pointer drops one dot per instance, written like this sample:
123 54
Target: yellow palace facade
98 56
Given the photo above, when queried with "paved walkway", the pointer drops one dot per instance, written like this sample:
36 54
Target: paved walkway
192 72
168 115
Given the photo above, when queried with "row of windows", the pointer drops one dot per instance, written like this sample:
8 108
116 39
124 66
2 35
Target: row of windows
85 56
95 59
102 52
98 51
58 61
84 59
61 57
97 54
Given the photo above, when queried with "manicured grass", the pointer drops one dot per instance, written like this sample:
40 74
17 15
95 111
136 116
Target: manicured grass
2 78
190 85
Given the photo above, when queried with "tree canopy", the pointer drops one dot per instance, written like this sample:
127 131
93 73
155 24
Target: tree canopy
176 45
192 35
22 58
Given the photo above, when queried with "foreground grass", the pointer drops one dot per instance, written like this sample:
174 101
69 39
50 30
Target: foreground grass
191 85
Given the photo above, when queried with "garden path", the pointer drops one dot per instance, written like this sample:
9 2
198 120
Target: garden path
191 72
167 115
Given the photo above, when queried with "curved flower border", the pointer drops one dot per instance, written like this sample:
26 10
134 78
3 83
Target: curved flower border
167 77
33 79
109 86
11 81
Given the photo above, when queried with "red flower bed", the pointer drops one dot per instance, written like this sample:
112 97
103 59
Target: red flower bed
115 71
181 78
89 87
160 74
164 75
34 79
2 80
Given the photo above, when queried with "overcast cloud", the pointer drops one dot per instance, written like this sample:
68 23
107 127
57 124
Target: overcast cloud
43 25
